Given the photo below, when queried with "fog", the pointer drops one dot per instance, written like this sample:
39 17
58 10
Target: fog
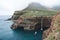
7 7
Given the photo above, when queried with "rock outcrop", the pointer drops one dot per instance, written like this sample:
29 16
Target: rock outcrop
53 33
33 24
32 20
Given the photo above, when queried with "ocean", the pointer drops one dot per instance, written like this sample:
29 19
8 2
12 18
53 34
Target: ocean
6 33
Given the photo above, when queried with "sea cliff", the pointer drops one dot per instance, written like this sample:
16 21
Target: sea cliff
32 19
28 18
53 33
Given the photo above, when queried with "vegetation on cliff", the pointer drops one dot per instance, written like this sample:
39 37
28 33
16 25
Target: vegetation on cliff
53 33
32 13
33 10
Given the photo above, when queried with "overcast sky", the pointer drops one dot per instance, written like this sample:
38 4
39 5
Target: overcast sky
7 7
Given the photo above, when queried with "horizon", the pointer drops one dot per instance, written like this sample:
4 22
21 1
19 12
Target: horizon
7 7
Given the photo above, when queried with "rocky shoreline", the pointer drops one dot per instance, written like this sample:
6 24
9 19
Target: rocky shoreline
32 23
34 19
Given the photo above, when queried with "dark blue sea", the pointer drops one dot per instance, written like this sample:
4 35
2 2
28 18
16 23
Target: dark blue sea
6 33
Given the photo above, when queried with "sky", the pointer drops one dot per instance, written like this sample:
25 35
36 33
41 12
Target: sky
7 7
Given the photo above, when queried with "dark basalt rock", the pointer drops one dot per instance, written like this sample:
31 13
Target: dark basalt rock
34 23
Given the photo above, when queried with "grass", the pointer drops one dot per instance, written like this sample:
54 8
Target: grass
35 13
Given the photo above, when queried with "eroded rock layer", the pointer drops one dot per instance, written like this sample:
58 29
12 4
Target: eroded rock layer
53 33
33 23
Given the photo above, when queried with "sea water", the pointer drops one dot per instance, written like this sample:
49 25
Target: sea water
6 33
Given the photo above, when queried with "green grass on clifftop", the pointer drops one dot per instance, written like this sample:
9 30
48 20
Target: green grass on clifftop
34 13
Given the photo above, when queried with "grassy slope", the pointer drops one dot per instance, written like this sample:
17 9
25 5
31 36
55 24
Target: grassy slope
35 13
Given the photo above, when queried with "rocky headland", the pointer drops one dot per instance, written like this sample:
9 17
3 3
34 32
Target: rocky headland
35 18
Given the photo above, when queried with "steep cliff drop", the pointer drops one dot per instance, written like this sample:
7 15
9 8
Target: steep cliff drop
31 19
53 33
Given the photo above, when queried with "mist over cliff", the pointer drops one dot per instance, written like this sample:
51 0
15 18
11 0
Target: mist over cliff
35 6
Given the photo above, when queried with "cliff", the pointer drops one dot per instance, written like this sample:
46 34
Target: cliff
33 10
31 17
53 33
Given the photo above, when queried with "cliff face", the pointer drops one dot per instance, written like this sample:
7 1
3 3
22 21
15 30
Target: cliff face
28 14
34 23
32 17
53 33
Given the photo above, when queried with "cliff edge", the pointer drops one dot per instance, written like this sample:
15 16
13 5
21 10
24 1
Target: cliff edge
54 31
31 17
